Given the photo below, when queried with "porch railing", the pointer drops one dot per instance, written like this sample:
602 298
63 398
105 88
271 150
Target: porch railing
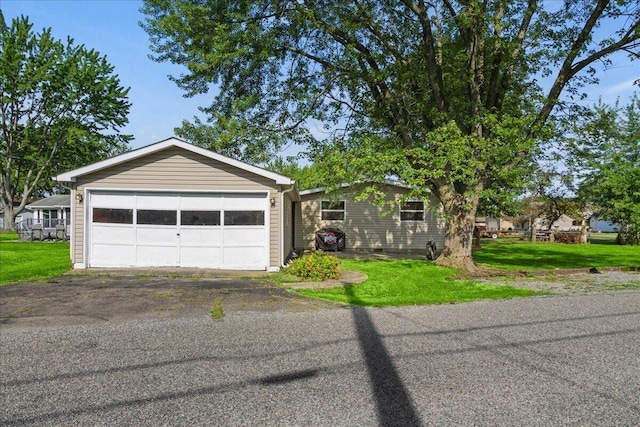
47 227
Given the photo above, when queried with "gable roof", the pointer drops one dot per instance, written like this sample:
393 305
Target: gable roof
71 176
57 201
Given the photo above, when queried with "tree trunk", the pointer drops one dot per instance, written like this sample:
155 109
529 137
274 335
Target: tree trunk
584 232
9 223
532 230
458 240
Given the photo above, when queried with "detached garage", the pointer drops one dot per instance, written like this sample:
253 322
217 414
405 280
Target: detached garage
174 204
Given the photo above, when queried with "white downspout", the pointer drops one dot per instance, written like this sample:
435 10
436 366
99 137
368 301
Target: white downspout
282 221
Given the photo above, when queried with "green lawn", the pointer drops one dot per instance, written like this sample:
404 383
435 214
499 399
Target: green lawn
413 282
22 261
410 282
4 236
513 254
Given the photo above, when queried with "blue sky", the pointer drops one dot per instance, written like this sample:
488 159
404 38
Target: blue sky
111 27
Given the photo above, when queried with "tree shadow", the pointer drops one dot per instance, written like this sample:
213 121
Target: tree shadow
394 404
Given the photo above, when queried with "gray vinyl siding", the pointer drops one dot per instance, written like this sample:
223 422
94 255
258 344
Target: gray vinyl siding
367 228
175 169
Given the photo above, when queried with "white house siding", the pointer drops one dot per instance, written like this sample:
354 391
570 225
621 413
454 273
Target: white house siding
367 228
175 169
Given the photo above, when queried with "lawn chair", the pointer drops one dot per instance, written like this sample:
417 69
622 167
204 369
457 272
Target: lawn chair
37 232
61 232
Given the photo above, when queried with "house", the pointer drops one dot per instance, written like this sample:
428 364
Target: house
175 204
563 223
22 216
51 211
398 226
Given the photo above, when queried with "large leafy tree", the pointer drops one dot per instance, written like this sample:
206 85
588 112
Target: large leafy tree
307 176
606 162
61 107
442 95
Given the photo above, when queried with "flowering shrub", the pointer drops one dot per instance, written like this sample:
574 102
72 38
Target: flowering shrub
316 266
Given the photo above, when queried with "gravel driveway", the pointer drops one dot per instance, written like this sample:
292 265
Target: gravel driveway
81 299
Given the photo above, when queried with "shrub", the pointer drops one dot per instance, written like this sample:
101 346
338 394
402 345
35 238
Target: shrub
316 266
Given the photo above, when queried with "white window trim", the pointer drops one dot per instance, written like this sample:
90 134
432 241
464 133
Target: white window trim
344 211
423 210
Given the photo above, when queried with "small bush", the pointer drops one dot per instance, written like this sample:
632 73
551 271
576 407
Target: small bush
316 266
217 311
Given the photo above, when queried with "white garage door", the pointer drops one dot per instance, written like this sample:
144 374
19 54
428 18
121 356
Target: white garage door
216 230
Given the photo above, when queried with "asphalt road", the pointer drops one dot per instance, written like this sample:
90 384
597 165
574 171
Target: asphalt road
570 360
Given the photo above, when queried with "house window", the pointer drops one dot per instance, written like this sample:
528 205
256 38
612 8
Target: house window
412 211
332 210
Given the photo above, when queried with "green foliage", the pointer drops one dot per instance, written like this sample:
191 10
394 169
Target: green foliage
606 158
442 95
26 261
315 267
410 282
62 106
307 177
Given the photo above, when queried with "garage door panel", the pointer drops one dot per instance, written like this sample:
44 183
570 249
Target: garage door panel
157 201
198 236
112 200
157 236
197 202
153 255
245 202
106 255
113 234
245 236
203 257
245 257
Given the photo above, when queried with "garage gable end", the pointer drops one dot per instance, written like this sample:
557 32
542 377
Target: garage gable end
72 176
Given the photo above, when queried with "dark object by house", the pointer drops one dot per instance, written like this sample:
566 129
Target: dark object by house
431 250
293 255
330 239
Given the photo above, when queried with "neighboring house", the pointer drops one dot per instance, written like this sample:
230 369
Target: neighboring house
22 217
51 211
407 227
564 223
175 204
